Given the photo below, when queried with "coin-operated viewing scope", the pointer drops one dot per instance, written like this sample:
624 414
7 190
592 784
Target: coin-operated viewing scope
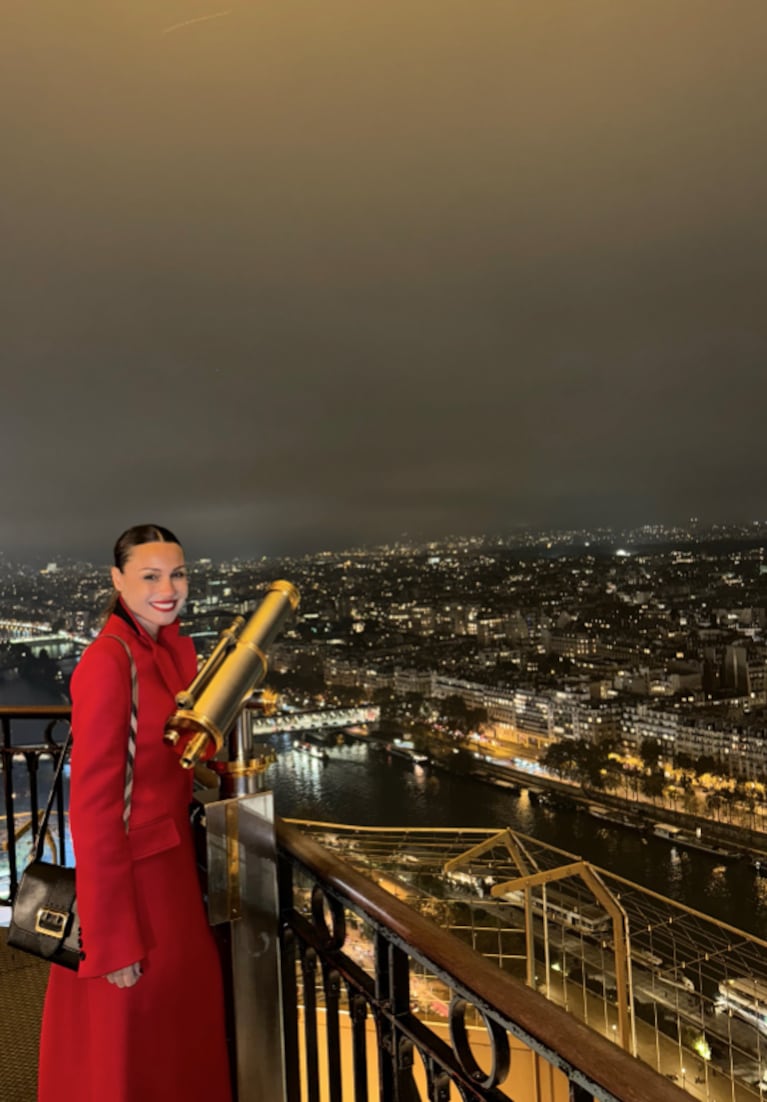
208 709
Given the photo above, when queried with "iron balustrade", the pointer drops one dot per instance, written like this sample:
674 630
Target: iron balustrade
323 983
21 760
315 961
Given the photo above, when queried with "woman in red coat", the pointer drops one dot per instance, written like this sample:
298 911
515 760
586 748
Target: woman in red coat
143 1018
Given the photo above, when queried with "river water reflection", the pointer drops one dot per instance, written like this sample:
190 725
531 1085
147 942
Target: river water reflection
357 787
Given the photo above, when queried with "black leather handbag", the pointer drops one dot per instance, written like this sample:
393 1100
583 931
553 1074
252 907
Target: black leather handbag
44 919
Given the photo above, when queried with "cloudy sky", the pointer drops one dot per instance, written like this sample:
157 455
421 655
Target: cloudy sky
296 274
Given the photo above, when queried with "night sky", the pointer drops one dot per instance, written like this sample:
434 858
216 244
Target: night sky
301 274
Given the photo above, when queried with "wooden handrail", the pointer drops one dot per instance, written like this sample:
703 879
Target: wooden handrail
563 1040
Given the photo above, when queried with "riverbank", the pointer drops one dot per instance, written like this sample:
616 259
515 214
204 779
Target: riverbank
637 813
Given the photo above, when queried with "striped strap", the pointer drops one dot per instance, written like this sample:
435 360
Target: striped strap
132 731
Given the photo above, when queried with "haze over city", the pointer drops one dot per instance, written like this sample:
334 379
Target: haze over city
294 276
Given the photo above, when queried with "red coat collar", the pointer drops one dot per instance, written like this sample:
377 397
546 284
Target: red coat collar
165 651
166 635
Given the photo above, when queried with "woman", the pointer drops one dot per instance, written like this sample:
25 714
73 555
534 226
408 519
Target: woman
143 1019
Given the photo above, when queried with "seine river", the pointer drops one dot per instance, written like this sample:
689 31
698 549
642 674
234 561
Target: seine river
363 788
359 787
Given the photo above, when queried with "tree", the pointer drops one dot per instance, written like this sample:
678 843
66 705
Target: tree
653 784
714 803
417 705
562 758
705 764
649 752
690 801
463 718
614 772
581 759
594 761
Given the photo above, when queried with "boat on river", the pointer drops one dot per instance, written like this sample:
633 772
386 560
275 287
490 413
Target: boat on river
405 748
311 749
745 996
619 818
511 787
560 908
692 840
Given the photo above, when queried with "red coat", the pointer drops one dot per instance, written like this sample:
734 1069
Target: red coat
138 897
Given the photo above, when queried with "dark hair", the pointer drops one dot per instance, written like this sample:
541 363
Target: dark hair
138 534
132 537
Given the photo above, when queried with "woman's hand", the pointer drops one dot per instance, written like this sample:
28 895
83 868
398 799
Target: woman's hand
125 977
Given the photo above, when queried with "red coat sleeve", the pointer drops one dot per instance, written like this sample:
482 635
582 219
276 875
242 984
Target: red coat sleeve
105 890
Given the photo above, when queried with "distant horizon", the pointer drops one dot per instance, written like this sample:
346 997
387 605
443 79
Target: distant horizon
39 558
315 276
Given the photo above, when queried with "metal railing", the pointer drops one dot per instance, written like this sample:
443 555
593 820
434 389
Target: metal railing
527 1039
350 957
21 770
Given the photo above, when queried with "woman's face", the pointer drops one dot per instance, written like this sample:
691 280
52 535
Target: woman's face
153 584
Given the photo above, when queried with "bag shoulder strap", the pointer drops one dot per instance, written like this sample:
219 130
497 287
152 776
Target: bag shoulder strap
132 731
43 827
129 761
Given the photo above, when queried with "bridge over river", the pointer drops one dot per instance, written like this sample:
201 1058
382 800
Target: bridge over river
317 719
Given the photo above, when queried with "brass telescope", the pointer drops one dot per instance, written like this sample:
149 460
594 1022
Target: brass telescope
208 709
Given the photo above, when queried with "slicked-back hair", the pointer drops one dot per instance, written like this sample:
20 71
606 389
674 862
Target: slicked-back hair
138 534
133 537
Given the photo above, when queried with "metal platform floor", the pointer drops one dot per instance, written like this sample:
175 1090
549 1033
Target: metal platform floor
22 988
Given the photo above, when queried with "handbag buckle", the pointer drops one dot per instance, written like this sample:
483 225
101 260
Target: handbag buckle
50 922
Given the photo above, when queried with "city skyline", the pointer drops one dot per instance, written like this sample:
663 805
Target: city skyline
604 541
298 277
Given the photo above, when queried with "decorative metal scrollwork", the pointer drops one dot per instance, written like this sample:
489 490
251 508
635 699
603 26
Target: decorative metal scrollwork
499 1046
333 938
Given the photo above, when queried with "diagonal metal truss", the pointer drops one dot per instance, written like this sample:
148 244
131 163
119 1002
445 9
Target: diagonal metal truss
680 964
